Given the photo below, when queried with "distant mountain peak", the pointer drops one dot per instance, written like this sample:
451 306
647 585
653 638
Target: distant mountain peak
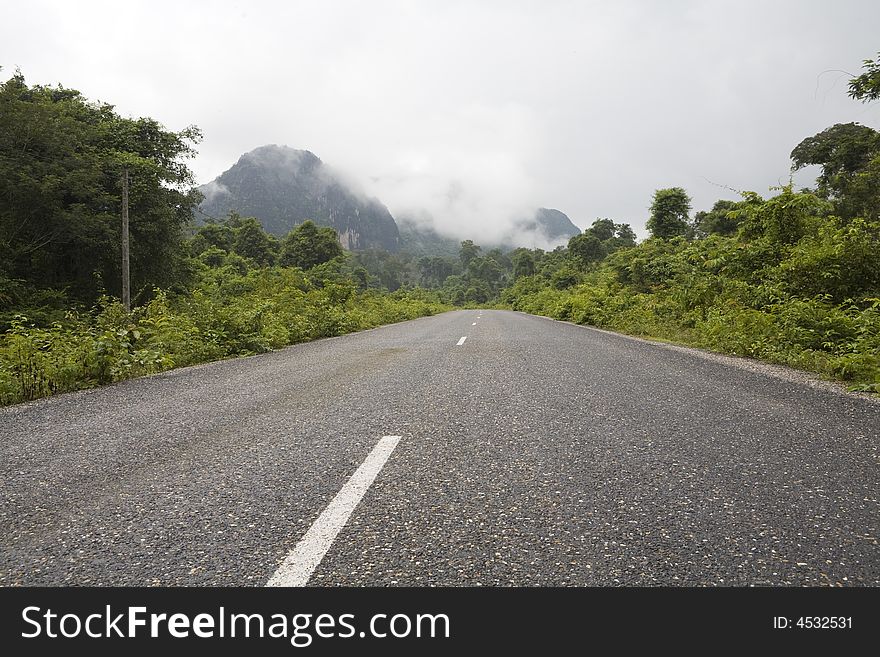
551 224
282 158
283 186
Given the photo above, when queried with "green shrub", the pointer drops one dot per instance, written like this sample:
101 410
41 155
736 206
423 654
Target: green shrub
231 313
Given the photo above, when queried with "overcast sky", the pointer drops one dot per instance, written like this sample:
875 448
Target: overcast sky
474 111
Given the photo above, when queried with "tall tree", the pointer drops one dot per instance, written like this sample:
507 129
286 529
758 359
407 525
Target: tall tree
61 161
468 252
602 229
252 242
624 236
523 263
720 220
434 270
669 213
309 245
612 235
586 248
217 234
781 220
849 155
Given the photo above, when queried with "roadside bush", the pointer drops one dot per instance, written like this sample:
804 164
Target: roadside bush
230 313
791 288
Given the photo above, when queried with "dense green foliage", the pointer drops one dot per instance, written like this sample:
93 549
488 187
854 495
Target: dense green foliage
849 155
226 288
600 239
793 279
866 86
307 246
228 313
720 220
239 303
669 213
61 163
472 278
795 285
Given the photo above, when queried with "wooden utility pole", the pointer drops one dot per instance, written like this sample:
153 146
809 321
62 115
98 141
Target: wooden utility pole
126 281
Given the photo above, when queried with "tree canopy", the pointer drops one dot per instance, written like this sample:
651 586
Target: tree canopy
720 220
849 155
866 87
670 210
309 245
60 193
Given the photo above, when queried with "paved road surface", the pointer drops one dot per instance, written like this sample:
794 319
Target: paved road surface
533 453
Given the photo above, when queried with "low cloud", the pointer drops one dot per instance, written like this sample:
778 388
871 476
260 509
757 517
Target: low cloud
467 176
214 190
477 113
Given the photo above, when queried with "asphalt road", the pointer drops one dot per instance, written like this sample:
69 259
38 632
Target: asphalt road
535 453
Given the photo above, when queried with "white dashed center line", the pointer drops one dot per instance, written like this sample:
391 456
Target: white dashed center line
461 342
298 566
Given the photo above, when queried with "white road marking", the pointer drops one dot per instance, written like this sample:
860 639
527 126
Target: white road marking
474 324
298 566
461 342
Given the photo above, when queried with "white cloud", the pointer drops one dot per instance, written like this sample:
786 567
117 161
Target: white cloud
585 107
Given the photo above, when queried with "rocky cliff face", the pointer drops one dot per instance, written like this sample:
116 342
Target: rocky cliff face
282 187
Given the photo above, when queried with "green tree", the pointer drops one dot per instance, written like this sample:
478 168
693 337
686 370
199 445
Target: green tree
486 270
669 213
523 263
61 163
602 229
478 292
720 220
252 242
308 245
587 247
434 270
613 236
624 237
212 234
849 155
394 273
564 278
841 261
866 87
213 256
468 252
362 277
783 219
